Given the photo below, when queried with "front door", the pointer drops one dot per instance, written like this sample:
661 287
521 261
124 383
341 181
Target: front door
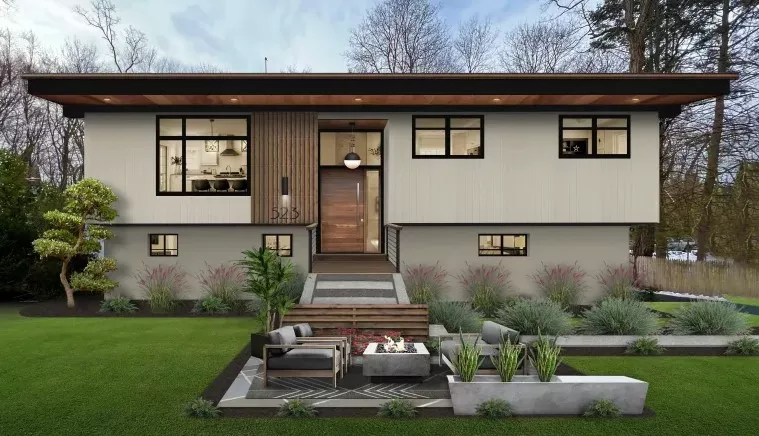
342 210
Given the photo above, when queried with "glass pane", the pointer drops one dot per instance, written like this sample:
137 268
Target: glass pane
372 206
612 142
373 148
285 253
170 127
170 166
577 122
430 142
271 242
508 241
216 127
429 122
490 252
612 122
490 241
576 142
520 241
465 143
216 165
467 123
284 242
156 244
333 146
171 245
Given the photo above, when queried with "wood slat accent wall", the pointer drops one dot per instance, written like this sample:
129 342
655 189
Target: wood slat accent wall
411 319
284 144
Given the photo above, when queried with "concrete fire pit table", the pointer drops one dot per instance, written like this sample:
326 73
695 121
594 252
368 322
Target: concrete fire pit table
385 365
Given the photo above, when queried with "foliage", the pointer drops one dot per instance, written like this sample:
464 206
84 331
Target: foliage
424 283
267 275
467 359
454 315
645 347
494 409
71 235
508 359
293 287
161 285
746 346
432 345
297 409
544 356
201 408
530 317
708 318
602 409
223 282
619 317
360 340
397 408
211 305
561 283
619 282
118 305
487 287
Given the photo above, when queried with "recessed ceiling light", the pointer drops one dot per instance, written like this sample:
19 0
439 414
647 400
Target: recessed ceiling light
107 100
234 100
358 99
635 99
496 100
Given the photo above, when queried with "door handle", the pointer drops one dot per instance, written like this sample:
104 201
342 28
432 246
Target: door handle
358 201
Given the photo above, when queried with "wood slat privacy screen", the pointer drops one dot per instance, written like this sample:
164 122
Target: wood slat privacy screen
410 319
284 144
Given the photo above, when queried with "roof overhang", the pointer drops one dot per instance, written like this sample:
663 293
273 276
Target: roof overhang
79 93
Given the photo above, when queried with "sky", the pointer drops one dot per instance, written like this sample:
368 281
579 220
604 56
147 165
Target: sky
236 35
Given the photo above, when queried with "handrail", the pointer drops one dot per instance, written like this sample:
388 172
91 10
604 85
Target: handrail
313 238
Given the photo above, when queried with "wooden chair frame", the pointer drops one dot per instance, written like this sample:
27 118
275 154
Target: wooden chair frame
337 367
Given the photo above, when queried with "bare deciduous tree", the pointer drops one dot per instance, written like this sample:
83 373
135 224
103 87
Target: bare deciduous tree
475 45
294 69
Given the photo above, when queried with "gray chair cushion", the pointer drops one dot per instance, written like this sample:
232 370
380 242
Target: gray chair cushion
304 359
281 336
303 330
493 332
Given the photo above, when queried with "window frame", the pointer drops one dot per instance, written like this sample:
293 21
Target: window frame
165 250
594 135
501 235
447 129
277 235
184 138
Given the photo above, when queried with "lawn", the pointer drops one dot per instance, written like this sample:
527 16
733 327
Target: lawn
672 306
121 376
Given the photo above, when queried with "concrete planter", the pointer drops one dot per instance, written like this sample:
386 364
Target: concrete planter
567 395
667 341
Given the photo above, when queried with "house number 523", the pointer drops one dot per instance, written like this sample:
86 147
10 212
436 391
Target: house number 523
284 213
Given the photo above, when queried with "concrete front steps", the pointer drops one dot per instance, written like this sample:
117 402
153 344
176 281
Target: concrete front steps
329 288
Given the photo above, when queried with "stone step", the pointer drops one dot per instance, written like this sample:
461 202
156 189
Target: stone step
353 293
353 300
354 277
353 284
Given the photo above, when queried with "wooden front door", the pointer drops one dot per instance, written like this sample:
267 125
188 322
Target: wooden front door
342 210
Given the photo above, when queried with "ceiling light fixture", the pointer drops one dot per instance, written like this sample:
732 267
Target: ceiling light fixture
358 99
635 99
496 100
234 100
352 160
107 100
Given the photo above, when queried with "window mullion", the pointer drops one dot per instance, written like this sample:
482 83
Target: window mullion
447 136
594 135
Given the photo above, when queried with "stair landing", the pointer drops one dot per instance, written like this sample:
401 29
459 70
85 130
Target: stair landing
326 288
351 264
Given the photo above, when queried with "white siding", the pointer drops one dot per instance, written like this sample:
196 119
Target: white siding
120 150
521 179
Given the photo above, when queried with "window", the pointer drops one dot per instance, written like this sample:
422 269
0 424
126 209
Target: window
163 245
605 136
448 136
282 244
503 245
202 155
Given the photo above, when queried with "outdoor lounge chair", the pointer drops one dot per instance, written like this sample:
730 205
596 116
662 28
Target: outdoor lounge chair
305 334
489 340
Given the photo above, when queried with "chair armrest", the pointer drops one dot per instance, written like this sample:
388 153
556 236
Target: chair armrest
340 342
326 346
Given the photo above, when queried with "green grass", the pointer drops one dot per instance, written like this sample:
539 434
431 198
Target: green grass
743 300
672 306
121 376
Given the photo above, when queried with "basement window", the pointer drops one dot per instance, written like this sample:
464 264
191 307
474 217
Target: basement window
503 245
282 244
163 245
591 136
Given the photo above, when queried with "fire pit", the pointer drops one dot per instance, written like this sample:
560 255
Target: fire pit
411 361
408 348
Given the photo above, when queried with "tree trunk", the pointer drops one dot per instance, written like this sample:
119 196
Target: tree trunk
66 286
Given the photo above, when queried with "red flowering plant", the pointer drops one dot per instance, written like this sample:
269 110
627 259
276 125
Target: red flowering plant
225 282
162 285
487 287
619 282
561 283
424 283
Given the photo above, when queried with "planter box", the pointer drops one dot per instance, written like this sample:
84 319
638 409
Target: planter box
667 341
567 395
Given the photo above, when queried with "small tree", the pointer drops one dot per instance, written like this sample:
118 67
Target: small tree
267 276
71 235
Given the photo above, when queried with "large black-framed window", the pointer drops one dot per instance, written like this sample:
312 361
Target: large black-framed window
448 137
203 155
594 136
160 244
508 244
282 244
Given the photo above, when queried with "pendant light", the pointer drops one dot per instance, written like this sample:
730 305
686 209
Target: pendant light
352 160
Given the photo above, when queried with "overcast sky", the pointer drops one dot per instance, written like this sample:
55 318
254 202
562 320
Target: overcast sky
235 35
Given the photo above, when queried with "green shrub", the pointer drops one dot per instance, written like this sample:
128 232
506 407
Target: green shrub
508 359
455 316
297 409
424 283
494 409
396 408
644 347
162 284
745 346
708 318
544 356
293 287
223 282
211 305
619 282
201 408
561 283
530 317
619 317
487 287
118 305
467 359
432 345
602 409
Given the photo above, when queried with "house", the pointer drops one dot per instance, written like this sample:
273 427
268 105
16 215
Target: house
517 169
